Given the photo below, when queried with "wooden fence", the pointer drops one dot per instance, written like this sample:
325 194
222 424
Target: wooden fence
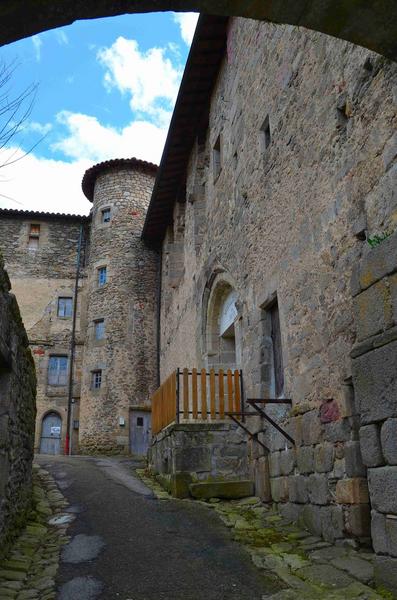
196 396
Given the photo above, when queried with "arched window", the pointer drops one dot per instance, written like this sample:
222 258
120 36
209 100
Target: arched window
222 334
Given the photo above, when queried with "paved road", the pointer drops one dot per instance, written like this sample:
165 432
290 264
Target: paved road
127 545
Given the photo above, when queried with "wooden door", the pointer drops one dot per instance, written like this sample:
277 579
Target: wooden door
140 431
51 430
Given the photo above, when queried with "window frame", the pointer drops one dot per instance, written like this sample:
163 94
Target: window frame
217 158
97 323
65 316
106 210
102 269
96 379
58 371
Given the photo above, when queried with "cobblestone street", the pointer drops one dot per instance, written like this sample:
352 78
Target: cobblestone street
115 534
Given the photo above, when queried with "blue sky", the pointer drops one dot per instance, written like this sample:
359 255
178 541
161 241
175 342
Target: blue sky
105 89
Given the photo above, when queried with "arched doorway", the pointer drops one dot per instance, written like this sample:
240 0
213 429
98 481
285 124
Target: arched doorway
51 431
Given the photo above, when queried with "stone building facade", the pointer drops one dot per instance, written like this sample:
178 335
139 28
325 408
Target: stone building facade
115 318
288 173
17 416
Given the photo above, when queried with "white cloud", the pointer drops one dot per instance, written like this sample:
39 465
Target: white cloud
35 183
35 127
37 44
62 38
150 78
187 23
87 138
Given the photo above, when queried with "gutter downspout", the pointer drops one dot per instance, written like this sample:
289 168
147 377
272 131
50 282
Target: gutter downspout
68 441
159 284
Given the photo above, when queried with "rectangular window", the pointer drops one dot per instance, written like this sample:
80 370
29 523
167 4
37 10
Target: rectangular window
106 215
99 329
266 137
217 158
278 367
57 370
102 276
65 307
34 237
96 381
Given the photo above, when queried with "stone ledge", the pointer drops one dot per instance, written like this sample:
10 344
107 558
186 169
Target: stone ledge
222 489
374 342
376 264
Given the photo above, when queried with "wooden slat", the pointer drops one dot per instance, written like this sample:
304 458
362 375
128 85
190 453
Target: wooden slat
221 394
185 393
229 391
194 394
172 400
203 394
237 394
212 395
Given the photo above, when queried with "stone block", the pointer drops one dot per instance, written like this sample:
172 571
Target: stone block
297 485
279 488
274 464
378 532
311 428
375 377
222 489
352 491
382 483
311 518
305 459
324 458
370 446
318 489
389 441
291 511
391 535
332 523
338 431
379 262
373 310
192 459
287 461
353 461
386 572
358 520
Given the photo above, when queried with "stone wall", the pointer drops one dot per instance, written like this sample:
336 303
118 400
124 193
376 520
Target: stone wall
39 277
185 453
374 287
17 416
127 355
304 124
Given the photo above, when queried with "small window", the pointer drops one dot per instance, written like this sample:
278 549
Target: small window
217 158
102 276
266 137
106 214
99 326
139 421
34 237
96 379
57 370
65 307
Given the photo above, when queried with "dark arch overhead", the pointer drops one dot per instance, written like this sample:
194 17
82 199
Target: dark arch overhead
368 23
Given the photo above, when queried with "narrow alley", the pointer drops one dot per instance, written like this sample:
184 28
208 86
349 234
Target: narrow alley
125 544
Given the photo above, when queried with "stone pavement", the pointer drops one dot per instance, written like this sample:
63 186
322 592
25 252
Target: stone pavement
29 571
310 568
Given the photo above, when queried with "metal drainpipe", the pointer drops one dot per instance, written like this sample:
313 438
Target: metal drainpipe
68 441
159 283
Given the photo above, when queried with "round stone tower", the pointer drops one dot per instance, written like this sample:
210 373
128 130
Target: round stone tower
119 367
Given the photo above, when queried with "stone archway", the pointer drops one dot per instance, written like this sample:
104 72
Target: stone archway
222 336
363 22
